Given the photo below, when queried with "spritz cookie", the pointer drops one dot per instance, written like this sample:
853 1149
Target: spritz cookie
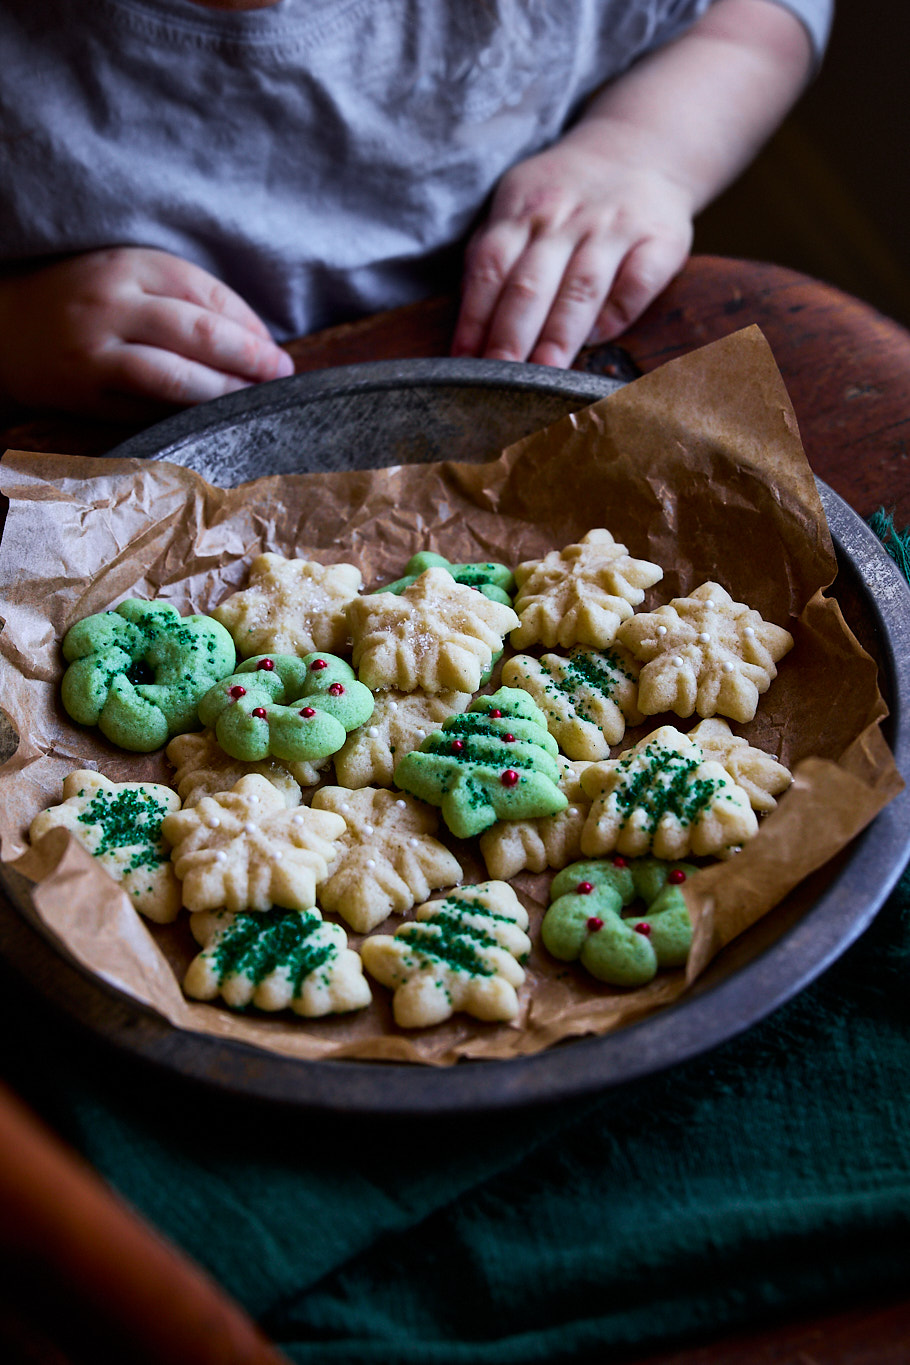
513 846
759 773
291 606
119 823
704 654
587 698
399 724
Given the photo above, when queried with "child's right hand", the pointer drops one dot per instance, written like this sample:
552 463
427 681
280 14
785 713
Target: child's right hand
124 332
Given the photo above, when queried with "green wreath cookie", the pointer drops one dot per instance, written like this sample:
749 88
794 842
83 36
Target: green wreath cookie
282 706
493 580
585 919
139 671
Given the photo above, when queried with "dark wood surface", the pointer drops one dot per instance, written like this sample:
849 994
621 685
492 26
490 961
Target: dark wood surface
847 369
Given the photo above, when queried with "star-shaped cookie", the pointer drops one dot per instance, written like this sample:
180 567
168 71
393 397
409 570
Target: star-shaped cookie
290 606
757 772
579 595
245 850
704 653
203 768
387 857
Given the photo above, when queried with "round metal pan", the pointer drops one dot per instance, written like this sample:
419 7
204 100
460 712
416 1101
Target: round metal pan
396 412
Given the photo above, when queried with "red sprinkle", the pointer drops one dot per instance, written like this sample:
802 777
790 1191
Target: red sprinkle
318 664
594 923
508 738
496 714
457 746
267 665
619 861
307 712
677 876
236 691
336 690
584 888
258 712
509 778
643 928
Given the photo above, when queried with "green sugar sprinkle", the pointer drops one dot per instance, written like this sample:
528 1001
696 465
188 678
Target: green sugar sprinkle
664 787
255 945
452 944
127 818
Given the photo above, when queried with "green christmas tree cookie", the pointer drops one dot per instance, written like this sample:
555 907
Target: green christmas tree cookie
585 919
497 761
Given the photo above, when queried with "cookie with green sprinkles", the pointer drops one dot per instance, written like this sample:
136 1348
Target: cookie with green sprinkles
495 581
586 920
119 823
286 707
461 953
663 797
276 960
138 672
496 761
588 697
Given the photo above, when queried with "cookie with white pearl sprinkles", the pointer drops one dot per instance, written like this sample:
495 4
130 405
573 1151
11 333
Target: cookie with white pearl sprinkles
588 918
663 797
581 594
460 953
245 850
120 824
704 654
275 960
399 724
388 858
291 606
282 706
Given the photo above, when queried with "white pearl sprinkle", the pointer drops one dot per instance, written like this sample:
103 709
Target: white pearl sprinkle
214 822
661 630
371 862
368 829
709 602
393 705
373 732
573 810
345 807
220 856
703 637
749 632
401 803
298 819
421 734
249 827
676 661
728 667
414 842
278 855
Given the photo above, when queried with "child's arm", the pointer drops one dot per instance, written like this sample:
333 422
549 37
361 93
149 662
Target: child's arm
120 332
582 237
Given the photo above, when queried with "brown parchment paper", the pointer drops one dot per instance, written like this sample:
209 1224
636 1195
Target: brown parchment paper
697 466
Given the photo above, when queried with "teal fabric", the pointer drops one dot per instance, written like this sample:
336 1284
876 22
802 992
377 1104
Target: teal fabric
766 1179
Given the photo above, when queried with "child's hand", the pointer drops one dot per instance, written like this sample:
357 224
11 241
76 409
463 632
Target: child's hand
577 244
123 332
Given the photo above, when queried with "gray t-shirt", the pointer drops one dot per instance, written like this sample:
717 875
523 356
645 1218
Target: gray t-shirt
323 157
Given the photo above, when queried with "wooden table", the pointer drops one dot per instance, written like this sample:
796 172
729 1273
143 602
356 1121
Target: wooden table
847 369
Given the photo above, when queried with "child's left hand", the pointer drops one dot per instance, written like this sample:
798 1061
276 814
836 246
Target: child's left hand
577 244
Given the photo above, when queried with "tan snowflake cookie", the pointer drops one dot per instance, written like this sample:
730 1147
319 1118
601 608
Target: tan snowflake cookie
704 653
461 953
579 595
399 724
512 846
203 769
120 824
275 960
664 798
245 850
387 859
290 606
757 772
438 635
587 698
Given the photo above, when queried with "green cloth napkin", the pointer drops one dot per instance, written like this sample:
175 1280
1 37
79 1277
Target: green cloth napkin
768 1178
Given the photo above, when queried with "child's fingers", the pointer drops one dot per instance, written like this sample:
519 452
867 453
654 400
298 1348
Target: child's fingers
214 340
171 277
151 373
526 297
644 273
576 303
488 263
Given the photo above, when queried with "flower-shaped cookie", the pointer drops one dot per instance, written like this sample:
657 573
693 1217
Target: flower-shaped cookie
510 846
275 960
139 671
119 823
587 698
245 850
579 595
461 953
204 769
291 606
282 706
436 635
758 773
493 580
585 919
497 761
665 798
399 724
704 653
387 858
